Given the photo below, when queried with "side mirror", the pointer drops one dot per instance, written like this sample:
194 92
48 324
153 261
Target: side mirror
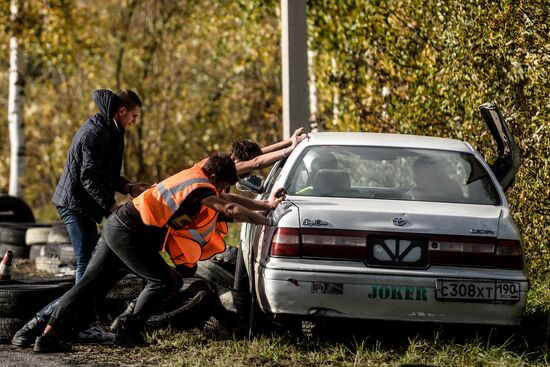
251 183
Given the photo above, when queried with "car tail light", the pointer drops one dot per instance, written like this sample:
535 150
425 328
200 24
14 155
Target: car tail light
315 243
286 242
472 251
337 244
509 254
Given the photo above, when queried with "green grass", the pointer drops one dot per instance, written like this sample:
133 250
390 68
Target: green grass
366 344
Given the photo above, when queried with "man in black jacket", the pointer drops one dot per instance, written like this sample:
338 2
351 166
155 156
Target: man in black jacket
85 192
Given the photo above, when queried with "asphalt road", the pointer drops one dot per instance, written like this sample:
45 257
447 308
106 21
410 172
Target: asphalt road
19 357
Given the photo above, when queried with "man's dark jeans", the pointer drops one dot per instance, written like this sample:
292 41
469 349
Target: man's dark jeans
83 234
119 249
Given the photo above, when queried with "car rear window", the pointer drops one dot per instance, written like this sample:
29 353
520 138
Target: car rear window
391 173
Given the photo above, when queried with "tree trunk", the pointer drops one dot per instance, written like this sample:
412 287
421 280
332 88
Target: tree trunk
15 111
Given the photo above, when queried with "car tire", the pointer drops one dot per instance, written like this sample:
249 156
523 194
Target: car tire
241 282
14 209
226 259
215 274
22 300
190 307
13 233
8 327
123 292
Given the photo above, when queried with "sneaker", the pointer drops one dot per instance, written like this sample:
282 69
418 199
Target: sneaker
47 343
25 337
96 333
128 339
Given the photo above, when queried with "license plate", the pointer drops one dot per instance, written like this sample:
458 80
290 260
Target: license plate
477 290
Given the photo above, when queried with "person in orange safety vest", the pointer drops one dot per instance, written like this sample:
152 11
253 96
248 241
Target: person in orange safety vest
179 216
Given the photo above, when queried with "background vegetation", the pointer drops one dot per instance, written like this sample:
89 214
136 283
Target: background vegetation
208 72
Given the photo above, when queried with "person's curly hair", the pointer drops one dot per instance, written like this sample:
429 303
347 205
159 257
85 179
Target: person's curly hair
245 150
222 166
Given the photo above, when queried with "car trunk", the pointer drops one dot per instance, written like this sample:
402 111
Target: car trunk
398 216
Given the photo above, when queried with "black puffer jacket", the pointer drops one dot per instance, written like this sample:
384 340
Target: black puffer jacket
92 171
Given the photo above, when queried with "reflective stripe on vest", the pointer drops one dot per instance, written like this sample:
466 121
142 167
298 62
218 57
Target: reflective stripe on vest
198 239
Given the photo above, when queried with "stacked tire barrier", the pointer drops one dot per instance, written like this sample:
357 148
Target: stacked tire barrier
54 252
19 301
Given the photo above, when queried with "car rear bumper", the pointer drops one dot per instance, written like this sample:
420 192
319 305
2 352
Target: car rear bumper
405 295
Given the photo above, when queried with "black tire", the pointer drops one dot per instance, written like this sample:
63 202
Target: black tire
214 273
13 233
227 259
66 280
23 300
19 252
189 308
13 209
126 289
8 327
241 282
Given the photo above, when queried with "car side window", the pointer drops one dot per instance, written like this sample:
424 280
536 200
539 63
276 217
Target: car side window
272 177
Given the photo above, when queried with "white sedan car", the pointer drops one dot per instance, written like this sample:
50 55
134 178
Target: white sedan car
391 227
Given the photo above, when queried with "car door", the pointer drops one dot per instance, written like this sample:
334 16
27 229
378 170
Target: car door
507 163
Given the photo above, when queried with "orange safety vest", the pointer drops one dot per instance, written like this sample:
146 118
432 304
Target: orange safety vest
199 237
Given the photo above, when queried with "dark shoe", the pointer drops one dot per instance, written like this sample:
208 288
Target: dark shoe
128 339
95 333
26 336
121 319
46 343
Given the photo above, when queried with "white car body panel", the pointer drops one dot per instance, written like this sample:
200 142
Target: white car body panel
294 286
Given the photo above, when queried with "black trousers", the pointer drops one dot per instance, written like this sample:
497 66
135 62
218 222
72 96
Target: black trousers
119 249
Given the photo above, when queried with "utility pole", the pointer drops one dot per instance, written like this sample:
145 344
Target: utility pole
15 108
294 66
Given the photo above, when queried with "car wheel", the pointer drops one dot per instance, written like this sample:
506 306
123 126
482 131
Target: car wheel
241 282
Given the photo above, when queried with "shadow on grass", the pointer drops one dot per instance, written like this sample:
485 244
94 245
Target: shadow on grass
531 338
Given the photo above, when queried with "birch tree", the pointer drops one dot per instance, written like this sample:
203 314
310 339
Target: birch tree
15 109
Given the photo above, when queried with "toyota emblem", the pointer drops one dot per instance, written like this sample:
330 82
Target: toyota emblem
399 221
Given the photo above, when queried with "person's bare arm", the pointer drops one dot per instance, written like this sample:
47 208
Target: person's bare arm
283 143
267 159
251 203
261 161
235 211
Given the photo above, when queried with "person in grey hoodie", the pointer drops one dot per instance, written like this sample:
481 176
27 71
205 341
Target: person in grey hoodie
86 189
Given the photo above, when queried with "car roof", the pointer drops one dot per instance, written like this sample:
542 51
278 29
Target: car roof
387 140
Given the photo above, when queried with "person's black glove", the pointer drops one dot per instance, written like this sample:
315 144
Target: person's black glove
281 209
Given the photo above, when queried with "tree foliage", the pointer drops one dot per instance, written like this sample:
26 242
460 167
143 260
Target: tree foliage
424 68
208 72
